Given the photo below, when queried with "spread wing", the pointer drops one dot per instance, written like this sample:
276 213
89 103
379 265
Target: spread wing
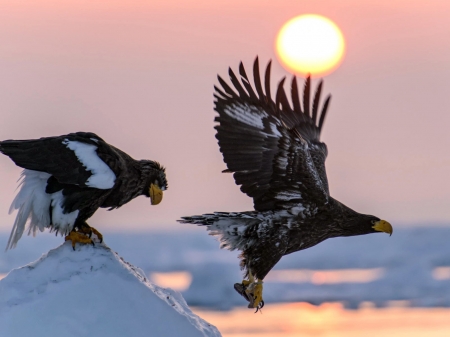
273 149
81 158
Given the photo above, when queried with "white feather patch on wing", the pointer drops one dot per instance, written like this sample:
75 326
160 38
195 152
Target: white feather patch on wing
274 129
288 195
247 114
102 176
32 203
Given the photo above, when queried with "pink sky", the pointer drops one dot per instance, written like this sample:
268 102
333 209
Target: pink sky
141 74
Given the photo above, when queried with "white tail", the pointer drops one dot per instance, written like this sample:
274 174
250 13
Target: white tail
33 203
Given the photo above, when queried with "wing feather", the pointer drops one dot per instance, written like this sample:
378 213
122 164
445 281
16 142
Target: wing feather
246 83
316 102
81 158
273 149
267 83
227 88
295 96
306 93
324 112
257 80
237 84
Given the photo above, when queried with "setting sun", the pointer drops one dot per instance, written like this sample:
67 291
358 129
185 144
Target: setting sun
310 44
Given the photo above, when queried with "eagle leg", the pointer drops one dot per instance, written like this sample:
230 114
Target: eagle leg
88 230
75 237
254 294
252 291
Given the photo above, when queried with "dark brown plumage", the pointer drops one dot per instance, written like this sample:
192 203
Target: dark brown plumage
67 178
275 153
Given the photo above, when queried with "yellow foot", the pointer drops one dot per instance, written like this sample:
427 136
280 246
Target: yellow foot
78 237
258 302
246 283
89 230
96 232
252 292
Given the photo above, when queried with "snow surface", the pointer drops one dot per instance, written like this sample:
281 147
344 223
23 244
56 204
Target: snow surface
408 259
91 292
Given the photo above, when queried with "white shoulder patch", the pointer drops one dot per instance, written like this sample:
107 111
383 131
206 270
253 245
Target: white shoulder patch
102 176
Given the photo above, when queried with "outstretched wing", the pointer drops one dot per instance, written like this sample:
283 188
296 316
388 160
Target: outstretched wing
81 158
273 149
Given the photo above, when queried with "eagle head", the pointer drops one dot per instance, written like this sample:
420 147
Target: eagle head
365 224
156 181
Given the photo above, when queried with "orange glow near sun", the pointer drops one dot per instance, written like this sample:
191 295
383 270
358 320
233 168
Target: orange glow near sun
310 44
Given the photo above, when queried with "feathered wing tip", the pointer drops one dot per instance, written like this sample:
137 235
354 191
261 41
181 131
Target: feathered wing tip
281 106
244 89
306 94
324 112
317 117
32 204
316 100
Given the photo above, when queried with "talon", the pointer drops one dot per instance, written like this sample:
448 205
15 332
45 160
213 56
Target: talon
75 237
258 301
252 292
97 233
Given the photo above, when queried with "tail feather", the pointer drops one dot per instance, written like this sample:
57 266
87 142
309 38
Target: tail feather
32 204
232 229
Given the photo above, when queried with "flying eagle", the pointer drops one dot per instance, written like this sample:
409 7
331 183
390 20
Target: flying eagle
67 178
275 153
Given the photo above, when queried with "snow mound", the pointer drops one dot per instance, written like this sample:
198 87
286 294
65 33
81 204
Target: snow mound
91 292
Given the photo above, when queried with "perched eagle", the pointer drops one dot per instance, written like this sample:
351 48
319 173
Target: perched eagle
67 178
275 153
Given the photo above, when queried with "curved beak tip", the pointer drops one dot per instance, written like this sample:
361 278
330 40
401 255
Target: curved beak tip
154 202
156 194
383 226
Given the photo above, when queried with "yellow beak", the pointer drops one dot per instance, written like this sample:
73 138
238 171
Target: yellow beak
383 226
156 194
